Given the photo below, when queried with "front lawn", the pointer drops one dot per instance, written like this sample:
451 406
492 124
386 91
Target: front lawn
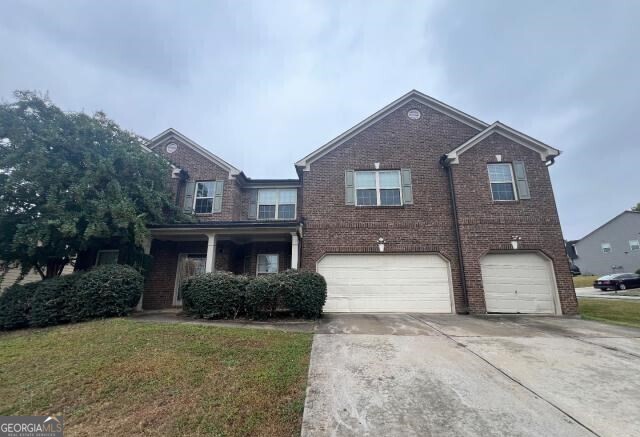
622 312
121 377
583 281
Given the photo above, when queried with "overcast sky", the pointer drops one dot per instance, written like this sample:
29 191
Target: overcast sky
261 84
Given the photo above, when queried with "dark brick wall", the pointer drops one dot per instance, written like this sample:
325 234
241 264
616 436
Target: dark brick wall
486 225
395 142
427 225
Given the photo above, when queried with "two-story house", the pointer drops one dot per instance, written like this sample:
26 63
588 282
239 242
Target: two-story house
418 208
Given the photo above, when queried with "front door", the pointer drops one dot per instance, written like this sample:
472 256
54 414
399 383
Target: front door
189 264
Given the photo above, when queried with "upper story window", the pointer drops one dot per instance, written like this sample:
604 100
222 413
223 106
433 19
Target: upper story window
502 182
277 204
378 188
606 247
634 245
205 192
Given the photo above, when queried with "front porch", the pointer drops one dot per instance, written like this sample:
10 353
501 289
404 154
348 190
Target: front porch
248 248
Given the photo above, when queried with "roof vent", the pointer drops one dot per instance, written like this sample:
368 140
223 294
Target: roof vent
414 114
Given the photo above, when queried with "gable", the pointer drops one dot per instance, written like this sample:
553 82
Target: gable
545 151
166 139
623 220
412 96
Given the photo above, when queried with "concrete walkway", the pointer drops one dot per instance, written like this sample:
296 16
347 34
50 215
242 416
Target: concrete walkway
449 375
590 292
174 316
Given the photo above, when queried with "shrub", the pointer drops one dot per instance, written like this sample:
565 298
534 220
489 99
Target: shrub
107 291
261 299
305 293
51 300
215 295
15 306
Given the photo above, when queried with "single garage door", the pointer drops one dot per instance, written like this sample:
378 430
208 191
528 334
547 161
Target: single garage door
518 283
386 283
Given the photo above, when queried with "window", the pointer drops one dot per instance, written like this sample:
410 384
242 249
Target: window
105 257
378 188
501 179
267 264
606 247
205 192
634 245
277 204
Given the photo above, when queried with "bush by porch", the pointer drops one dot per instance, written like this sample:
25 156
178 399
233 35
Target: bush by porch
227 296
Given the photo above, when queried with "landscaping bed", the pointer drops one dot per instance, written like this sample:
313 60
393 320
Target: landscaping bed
121 377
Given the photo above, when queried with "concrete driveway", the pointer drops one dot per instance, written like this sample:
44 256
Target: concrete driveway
430 375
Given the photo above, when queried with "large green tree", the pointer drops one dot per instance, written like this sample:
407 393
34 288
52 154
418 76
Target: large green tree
69 182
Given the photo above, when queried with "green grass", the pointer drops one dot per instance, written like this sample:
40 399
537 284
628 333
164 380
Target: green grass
121 377
583 281
621 312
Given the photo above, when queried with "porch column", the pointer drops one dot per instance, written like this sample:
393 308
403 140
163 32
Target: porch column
146 247
210 265
294 250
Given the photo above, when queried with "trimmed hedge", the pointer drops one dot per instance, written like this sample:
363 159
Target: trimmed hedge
214 295
106 291
227 296
15 306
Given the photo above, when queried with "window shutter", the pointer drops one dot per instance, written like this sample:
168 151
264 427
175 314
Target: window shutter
189 191
253 205
217 199
407 189
349 189
521 180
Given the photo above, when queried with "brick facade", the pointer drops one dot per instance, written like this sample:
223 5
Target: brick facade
427 226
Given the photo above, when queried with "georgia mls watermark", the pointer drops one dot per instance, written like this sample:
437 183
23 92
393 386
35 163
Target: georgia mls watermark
31 426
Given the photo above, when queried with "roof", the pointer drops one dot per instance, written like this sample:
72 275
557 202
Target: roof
244 179
230 224
413 95
545 151
610 221
169 133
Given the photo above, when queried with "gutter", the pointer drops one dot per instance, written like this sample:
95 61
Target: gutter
444 163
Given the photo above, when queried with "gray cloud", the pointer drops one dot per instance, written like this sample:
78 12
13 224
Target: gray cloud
263 83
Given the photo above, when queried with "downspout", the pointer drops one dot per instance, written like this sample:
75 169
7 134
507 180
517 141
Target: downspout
456 230
551 159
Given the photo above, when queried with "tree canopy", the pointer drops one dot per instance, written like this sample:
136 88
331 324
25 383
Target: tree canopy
70 181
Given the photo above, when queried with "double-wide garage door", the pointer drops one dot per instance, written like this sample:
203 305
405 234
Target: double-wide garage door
386 283
518 283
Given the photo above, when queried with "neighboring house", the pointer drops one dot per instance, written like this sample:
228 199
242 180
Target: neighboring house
612 248
374 211
10 274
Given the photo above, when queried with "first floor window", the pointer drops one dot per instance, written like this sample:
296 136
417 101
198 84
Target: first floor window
378 188
277 204
501 180
205 192
606 247
267 263
634 245
107 257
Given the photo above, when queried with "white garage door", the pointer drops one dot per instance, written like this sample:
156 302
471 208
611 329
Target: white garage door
386 283
518 283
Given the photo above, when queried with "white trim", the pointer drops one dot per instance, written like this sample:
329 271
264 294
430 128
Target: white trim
513 182
155 141
277 204
106 251
413 95
258 272
541 148
377 175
